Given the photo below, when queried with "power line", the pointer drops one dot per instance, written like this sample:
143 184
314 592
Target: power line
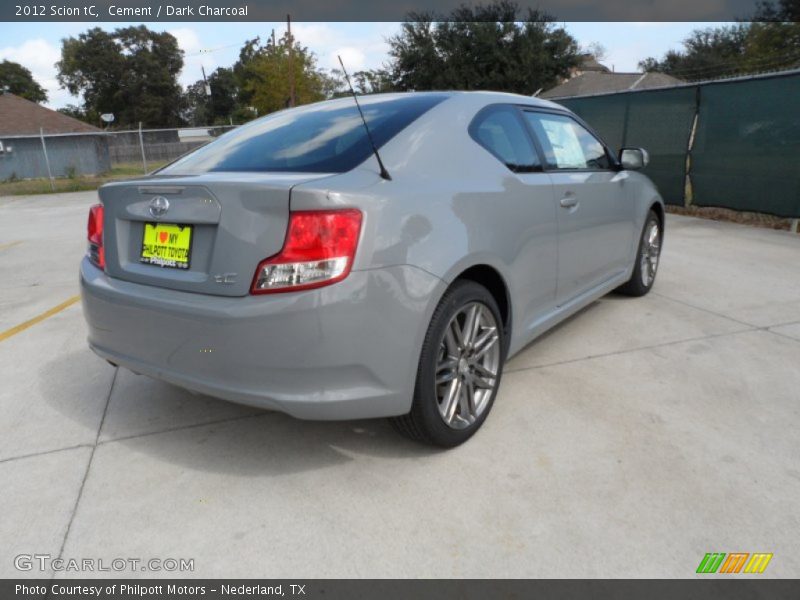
239 45
717 72
210 50
777 59
741 70
736 62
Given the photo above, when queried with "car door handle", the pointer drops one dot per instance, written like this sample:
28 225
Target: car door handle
569 200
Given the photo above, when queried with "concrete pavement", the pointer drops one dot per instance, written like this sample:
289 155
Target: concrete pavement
627 442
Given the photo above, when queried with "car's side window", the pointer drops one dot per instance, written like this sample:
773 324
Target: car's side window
567 144
500 131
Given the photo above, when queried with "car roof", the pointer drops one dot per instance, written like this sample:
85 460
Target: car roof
471 97
490 97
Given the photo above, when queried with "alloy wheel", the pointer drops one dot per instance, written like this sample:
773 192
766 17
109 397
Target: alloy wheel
651 249
467 366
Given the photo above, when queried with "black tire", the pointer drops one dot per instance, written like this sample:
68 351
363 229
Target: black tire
636 286
424 423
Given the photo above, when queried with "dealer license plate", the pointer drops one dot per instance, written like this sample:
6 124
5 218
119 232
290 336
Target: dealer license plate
166 245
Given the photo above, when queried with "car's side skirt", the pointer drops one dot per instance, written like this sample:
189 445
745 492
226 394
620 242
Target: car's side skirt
559 313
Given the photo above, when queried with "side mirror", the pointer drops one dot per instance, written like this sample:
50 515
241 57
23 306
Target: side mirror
634 158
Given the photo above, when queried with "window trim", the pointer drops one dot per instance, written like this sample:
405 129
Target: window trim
614 165
490 108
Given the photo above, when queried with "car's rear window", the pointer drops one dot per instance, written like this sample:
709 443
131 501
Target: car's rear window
329 138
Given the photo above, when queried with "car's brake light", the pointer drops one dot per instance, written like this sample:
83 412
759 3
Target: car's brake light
319 250
95 234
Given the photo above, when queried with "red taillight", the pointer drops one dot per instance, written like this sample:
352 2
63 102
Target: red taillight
95 234
319 250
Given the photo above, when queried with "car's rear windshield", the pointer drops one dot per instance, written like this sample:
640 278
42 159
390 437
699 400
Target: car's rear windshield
328 138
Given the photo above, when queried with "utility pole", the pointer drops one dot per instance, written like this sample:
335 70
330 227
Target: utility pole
290 41
47 160
273 38
207 88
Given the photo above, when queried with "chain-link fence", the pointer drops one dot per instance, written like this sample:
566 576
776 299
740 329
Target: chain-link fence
102 154
149 149
731 144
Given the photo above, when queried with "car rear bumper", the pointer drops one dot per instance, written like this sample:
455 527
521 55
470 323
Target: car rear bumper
346 351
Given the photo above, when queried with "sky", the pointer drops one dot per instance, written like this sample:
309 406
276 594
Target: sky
37 46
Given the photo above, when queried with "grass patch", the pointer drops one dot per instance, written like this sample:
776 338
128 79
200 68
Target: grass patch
80 183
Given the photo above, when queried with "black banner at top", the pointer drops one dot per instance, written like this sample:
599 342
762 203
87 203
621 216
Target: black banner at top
402 589
361 10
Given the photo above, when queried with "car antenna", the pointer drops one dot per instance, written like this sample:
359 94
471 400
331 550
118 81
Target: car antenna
384 172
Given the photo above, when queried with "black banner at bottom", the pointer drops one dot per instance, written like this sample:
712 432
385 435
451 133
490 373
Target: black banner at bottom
389 589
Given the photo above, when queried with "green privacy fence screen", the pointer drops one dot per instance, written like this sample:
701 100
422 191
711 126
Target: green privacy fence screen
745 152
659 121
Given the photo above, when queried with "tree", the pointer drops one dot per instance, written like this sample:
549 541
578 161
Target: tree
18 80
775 35
373 81
131 72
486 47
768 40
248 52
76 112
263 75
706 53
597 50
229 100
218 108
370 81
782 11
259 83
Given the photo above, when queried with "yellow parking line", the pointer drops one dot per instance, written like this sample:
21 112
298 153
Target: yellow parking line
38 319
10 244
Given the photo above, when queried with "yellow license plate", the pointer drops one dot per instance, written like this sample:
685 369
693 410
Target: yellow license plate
166 245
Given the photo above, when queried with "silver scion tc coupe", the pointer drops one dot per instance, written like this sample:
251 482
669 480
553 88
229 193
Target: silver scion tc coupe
280 266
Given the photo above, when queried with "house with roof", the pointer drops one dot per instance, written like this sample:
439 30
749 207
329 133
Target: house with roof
38 142
591 77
